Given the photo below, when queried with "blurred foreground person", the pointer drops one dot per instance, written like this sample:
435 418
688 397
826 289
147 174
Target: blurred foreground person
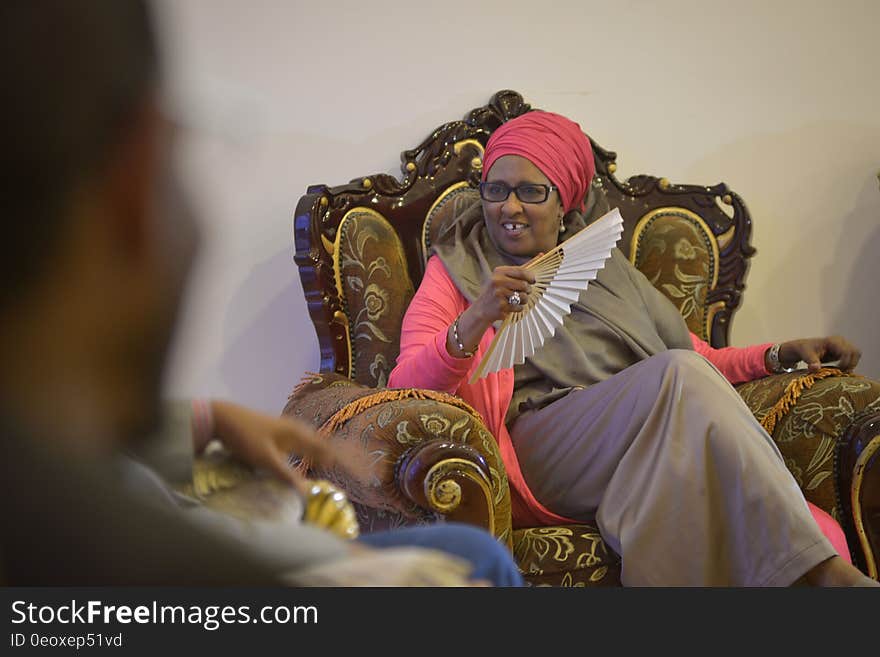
98 247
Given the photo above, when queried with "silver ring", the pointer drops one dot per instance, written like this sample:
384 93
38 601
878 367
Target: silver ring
514 299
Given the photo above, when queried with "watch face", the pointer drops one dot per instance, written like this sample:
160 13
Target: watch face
775 365
773 358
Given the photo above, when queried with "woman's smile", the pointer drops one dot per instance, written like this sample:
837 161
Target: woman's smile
514 229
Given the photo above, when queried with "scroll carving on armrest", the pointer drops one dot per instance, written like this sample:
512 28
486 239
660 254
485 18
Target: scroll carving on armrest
452 479
389 437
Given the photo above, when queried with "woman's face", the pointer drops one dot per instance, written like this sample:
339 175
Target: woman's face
521 229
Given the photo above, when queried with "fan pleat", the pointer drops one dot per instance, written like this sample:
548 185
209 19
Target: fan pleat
545 325
555 304
528 347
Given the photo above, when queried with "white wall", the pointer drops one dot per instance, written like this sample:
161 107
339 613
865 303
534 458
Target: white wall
778 99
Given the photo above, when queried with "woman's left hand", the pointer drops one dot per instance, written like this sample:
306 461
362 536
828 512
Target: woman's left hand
815 350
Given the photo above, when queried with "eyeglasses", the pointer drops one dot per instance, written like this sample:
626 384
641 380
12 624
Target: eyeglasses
495 192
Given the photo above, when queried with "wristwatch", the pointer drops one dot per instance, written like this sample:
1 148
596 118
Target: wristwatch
773 360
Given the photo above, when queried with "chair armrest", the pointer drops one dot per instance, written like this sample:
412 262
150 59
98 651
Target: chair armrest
414 455
828 437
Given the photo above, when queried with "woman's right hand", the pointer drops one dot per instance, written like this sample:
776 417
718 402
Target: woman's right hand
493 304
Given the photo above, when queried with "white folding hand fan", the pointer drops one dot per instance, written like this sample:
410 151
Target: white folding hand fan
560 276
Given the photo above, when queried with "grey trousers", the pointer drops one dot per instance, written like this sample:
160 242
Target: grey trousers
686 486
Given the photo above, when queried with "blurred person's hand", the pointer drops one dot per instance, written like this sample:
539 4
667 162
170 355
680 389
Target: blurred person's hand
266 442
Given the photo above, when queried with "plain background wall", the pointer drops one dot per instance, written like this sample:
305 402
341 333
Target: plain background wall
778 99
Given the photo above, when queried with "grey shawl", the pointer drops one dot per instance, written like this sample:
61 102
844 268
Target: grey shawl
618 321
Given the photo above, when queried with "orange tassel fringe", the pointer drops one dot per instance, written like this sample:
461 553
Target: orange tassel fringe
793 391
360 405
357 406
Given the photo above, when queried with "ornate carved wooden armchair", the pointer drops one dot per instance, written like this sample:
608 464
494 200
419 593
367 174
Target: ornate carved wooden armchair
422 456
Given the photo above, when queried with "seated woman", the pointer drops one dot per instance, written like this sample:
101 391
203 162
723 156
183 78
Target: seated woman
616 415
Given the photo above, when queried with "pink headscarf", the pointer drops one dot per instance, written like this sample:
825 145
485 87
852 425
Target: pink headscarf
554 144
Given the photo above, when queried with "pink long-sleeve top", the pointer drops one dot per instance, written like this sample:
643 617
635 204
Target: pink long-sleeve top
424 362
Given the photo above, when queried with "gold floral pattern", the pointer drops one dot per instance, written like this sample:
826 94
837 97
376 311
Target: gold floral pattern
404 437
684 250
547 543
571 555
674 252
379 370
435 424
375 303
376 289
596 552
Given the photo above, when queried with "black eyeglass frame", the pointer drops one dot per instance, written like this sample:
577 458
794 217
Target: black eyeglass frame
547 189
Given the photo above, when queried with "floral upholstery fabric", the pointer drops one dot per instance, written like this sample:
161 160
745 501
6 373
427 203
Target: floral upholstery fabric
377 291
807 435
376 439
676 253
570 555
